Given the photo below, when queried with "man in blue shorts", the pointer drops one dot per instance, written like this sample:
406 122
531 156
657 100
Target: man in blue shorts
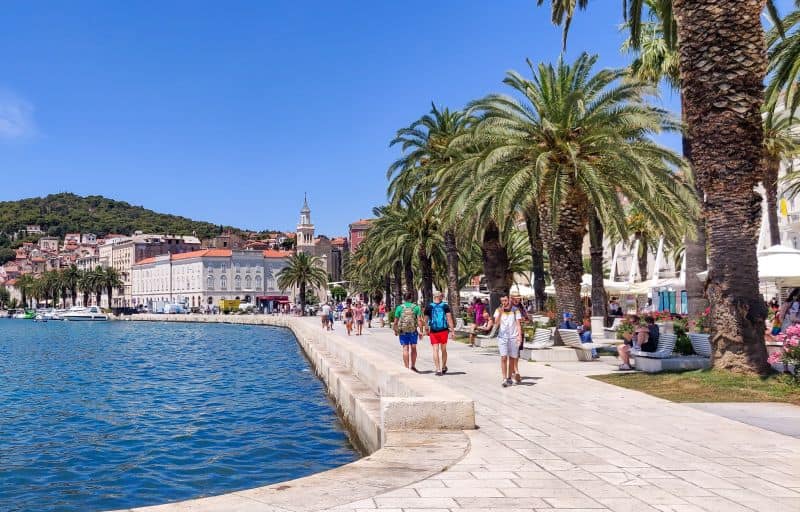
407 325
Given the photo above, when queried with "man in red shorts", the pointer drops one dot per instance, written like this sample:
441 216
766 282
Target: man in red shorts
440 324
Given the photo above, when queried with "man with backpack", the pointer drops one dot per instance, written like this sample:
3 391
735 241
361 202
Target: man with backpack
439 320
407 325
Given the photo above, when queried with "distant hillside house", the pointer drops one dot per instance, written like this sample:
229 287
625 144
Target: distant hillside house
33 229
49 243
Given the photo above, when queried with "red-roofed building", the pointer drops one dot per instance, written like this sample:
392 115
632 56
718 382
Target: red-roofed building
358 230
200 279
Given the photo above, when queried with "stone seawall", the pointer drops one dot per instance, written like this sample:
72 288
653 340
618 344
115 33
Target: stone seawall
412 429
375 394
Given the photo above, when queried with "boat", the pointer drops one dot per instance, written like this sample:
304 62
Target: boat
24 315
77 313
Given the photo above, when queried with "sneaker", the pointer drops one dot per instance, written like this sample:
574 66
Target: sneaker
506 383
517 378
414 369
438 374
624 367
444 370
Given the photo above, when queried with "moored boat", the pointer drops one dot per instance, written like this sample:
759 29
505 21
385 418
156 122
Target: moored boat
92 313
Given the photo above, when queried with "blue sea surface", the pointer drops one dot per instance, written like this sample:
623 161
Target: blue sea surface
109 415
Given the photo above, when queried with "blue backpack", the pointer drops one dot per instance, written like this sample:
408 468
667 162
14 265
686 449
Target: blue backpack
438 321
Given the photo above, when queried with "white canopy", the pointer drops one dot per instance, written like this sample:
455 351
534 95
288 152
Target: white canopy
522 290
778 264
613 287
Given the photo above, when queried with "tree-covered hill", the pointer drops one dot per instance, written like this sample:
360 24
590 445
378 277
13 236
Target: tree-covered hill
58 214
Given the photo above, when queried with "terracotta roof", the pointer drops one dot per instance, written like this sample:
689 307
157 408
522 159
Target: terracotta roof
270 253
145 261
205 253
361 223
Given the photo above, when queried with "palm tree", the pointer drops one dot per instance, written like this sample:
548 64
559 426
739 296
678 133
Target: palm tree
781 142
656 60
86 285
109 280
575 141
425 145
722 76
783 41
71 277
25 285
302 270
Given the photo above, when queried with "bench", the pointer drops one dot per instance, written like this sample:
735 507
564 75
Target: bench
487 340
664 350
571 339
701 344
542 339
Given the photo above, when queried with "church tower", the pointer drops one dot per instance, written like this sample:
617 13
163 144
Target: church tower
305 230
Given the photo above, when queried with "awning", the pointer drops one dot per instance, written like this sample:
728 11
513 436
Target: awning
273 297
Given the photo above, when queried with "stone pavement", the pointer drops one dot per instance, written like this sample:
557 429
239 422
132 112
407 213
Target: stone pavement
561 441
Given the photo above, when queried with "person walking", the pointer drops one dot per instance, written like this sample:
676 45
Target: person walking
347 314
407 326
368 311
327 316
439 320
516 301
509 335
382 313
358 314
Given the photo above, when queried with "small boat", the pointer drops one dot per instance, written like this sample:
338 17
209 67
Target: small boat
77 313
40 318
24 315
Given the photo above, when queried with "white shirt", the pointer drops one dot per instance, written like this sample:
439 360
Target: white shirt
507 322
326 310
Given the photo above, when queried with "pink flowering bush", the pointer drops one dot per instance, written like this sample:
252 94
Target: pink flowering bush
790 354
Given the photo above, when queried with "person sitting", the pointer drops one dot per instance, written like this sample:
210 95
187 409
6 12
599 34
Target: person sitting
648 337
566 321
624 350
586 335
482 327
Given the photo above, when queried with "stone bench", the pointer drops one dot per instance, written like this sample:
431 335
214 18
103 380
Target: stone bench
671 364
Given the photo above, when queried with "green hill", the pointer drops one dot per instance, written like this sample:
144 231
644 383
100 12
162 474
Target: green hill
58 214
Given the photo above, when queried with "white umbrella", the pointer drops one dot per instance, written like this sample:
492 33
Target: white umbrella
779 264
522 290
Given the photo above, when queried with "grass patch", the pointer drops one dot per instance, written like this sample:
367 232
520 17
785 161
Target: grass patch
708 386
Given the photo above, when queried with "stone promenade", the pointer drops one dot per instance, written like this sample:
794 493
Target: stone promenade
561 441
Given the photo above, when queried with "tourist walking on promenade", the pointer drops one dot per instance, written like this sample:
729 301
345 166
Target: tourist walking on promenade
439 320
407 325
327 316
382 313
358 314
509 334
368 311
347 314
516 301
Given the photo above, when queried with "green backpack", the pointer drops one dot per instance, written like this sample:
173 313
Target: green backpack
408 320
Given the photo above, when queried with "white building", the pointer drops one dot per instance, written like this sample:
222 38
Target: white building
203 278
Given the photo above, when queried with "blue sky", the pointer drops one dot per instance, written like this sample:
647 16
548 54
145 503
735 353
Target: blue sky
229 111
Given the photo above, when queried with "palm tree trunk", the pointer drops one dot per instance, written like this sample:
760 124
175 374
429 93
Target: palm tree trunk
398 284
496 265
537 256
409 275
564 243
97 296
85 298
723 64
109 293
451 253
599 300
695 247
771 168
302 298
387 290
426 269
642 260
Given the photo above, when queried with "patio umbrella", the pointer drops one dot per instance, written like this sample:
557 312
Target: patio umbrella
779 264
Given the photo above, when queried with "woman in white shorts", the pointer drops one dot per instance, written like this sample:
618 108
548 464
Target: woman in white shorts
509 336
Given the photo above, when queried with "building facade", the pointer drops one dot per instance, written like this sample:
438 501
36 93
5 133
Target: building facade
202 278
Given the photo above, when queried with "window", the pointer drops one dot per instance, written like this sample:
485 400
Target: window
238 282
223 282
248 282
258 282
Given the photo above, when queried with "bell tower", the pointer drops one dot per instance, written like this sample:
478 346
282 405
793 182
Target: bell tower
305 230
